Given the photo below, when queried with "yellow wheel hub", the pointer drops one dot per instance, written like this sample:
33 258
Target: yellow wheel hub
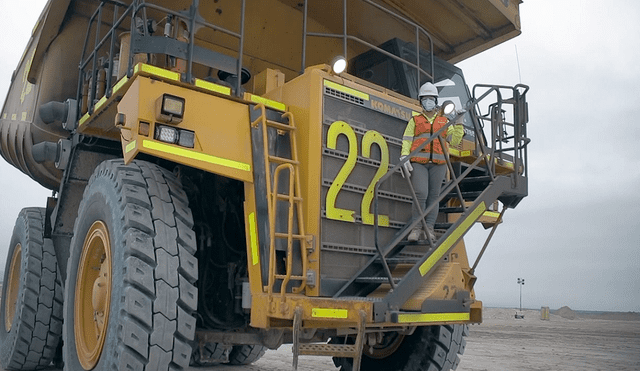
93 295
13 286
390 343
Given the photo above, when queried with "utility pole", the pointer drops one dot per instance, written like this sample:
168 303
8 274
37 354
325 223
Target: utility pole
521 283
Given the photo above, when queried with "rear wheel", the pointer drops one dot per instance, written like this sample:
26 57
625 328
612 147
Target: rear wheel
130 290
246 354
429 348
31 310
211 354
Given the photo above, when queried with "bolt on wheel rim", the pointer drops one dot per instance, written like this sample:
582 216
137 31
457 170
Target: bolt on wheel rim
93 295
13 286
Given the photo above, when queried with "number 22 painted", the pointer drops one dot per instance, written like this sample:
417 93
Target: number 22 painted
369 138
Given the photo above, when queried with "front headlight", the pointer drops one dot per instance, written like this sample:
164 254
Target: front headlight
170 109
181 137
167 134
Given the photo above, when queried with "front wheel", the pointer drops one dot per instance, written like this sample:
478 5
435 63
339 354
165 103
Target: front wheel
130 294
429 348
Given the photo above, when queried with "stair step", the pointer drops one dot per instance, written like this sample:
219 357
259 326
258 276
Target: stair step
294 278
444 226
376 279
281 126
466 195
284 197
476 179
360 298
333 350
294 236
400 260
448 210
283 160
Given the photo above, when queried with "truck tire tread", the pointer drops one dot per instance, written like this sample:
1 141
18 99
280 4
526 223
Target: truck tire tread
33 338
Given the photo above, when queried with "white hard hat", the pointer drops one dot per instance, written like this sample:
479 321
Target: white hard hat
428 89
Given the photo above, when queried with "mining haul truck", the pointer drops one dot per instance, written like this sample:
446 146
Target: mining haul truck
221 187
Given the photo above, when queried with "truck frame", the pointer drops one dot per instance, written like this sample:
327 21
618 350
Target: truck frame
201 214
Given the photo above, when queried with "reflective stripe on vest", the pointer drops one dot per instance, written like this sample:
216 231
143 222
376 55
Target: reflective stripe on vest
424 158
424 129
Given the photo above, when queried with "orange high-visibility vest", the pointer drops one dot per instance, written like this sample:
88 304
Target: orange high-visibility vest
432 151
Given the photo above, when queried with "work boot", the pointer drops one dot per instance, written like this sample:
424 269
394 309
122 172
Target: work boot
415 234
431 235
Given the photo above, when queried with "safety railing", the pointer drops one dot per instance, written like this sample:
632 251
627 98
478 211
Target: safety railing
506 149
89 87
485 156
99 65
345 36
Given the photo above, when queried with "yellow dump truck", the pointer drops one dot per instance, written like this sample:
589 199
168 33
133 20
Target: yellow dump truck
223 183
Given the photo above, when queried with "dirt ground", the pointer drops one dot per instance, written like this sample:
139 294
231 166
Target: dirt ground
503 343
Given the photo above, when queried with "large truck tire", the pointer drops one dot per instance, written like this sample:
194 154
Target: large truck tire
130 293
211 354
246 354
429 348
31 309
208 354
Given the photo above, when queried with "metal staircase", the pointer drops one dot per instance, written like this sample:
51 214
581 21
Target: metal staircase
329 350
493 173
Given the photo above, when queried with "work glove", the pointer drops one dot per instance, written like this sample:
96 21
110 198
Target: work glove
455 134
408 168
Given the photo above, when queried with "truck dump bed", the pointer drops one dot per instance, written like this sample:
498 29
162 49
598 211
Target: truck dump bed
273 38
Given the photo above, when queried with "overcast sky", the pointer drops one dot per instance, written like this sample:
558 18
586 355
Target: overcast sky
575 240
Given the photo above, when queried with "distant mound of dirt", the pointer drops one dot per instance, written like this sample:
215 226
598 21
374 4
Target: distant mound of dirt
566 312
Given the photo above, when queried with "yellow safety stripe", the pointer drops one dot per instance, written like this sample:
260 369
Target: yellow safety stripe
453 237
213 87
268 102
329 313
162 147
492 214
344 89
505 164
157 71
432 317
83 119
253 234
100 103
455 152
120 84
130 147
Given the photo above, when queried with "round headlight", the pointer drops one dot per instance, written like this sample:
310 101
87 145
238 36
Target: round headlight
338 64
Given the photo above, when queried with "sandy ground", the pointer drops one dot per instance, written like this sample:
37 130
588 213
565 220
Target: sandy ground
503 343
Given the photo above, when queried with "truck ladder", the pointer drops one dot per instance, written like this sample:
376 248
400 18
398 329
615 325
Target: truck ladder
292 195
329 350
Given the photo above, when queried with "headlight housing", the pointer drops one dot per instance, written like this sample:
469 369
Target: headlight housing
170 109
169 134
